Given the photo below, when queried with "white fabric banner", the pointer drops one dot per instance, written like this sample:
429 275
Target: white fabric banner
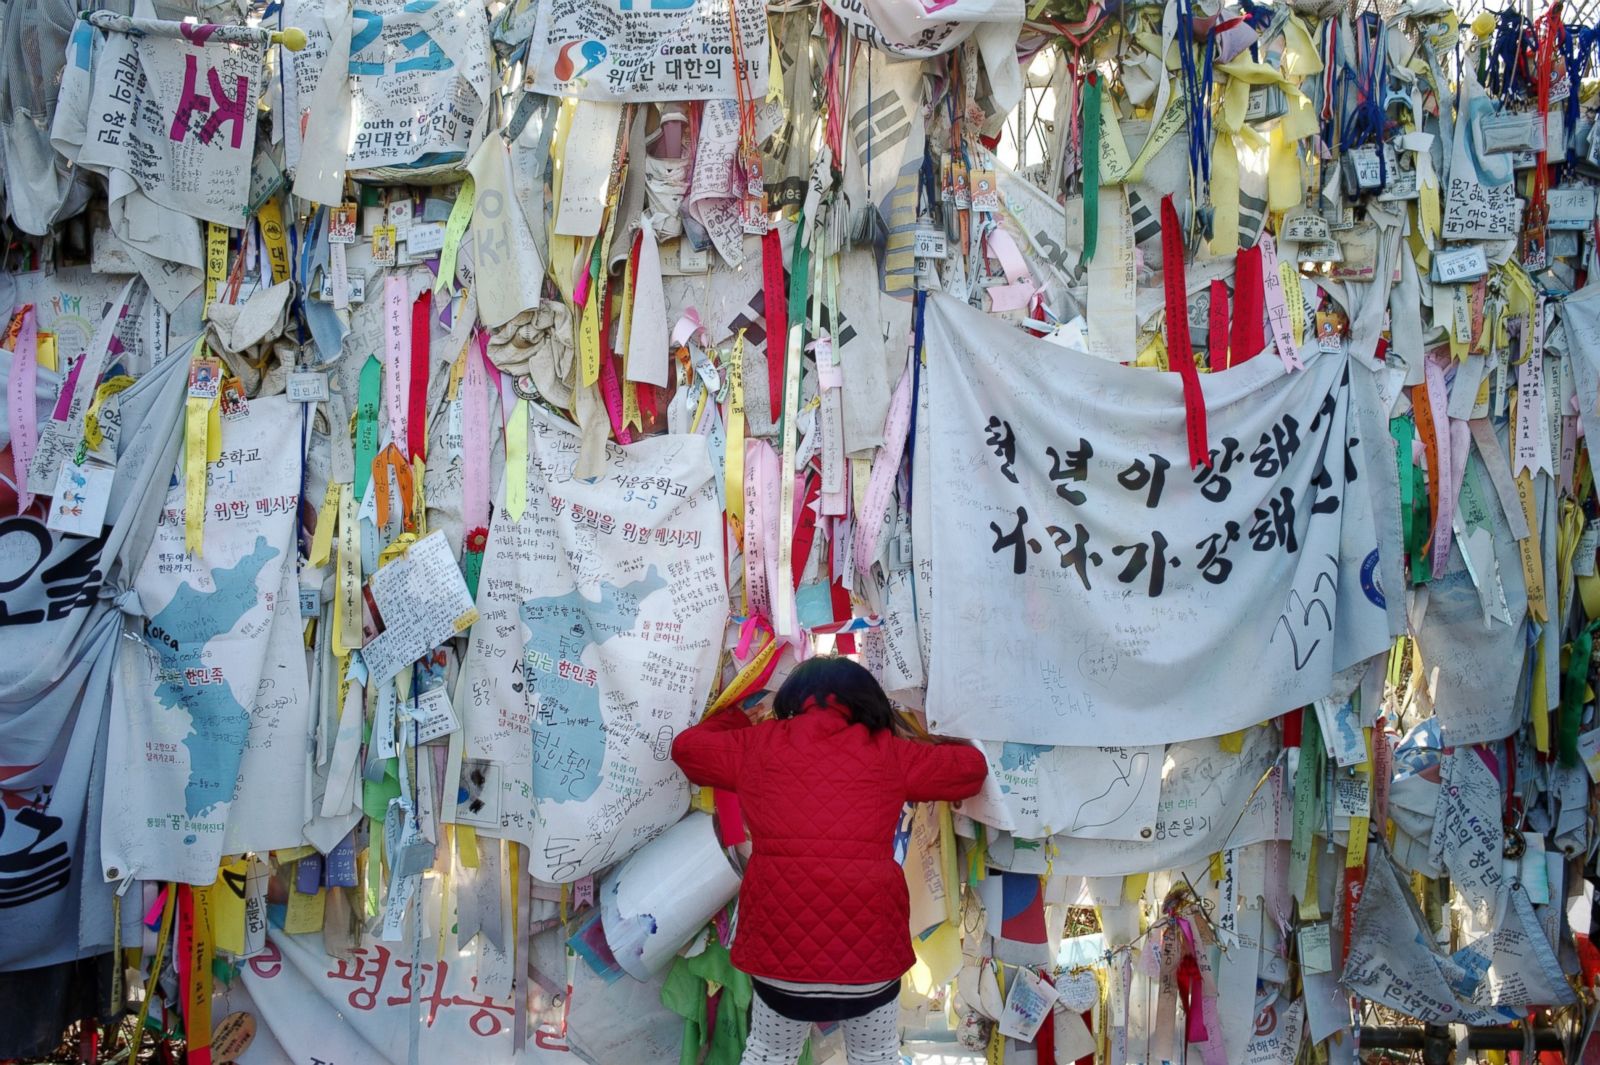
311 1007
600 622
178 115
1210 800
1124 598
920 30
60 633
418 79
192 705
654 50
1083 792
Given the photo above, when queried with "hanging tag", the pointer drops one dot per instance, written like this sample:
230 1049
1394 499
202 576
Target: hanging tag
422 240
1362 170
307 386
434 716
383 246
82 493
342 224
1305 226
985 190
398 215
205 378
1316 947
231 402
1028 1003
930 244
1455 265
1571 208
1330 331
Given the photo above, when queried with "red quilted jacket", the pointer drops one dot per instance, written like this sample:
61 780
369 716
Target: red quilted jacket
823 899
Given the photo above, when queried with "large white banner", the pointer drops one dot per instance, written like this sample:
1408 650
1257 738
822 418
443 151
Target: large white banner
600 623
192 705
359 1009
1091 588
60 634
648 50
175 110
418 78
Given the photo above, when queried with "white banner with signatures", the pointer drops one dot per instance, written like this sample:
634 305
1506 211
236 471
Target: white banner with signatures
1092 588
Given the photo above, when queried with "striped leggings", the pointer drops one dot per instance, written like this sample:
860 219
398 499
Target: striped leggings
871 1039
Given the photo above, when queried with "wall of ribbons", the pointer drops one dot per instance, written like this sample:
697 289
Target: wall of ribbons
419 413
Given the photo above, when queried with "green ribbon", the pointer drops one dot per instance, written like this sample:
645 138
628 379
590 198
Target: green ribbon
1574 683
1413 500
1308 781
367 424
471 570
1090 110
799 285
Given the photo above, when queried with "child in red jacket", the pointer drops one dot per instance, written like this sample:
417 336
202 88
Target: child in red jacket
824 916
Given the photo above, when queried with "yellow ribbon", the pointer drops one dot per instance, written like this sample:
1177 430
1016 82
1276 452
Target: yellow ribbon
327 521
270 218
517 460
202 443
92 434
216 263
347 603
454 230
733 467
589 333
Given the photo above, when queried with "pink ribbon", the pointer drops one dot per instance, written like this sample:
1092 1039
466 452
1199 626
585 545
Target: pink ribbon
397 349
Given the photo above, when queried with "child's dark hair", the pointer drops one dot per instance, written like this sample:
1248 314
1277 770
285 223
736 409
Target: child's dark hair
846 682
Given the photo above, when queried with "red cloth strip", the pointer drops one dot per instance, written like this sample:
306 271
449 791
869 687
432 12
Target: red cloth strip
417 401
1180 350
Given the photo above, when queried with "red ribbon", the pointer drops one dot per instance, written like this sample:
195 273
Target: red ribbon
777 317
805 530
1249 306
1217 334
1180 350
417 405
1044 1041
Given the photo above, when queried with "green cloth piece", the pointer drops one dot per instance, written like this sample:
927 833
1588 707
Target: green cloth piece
1090 110
1574 682
366 424
684 993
